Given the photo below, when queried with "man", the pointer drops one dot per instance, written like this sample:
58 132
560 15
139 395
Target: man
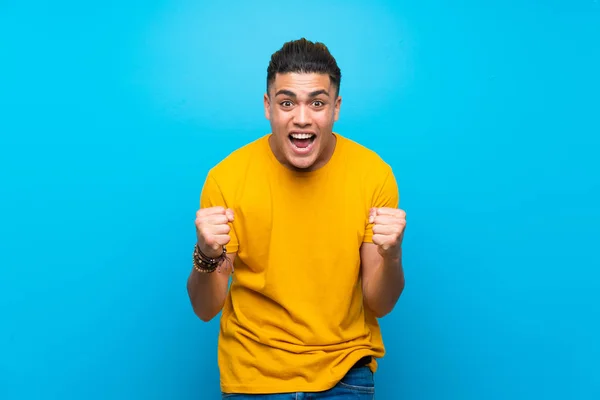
307 225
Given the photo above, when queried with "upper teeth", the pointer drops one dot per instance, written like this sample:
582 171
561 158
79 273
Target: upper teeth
302 135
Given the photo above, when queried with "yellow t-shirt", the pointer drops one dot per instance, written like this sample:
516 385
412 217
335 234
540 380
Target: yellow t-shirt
294 318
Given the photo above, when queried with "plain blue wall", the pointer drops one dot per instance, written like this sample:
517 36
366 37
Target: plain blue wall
112 113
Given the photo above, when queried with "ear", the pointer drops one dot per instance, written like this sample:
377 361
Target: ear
337 106
267 103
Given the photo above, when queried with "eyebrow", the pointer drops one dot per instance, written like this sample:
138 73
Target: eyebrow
292 94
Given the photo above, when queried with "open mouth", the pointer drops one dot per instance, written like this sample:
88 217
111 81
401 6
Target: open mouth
302 141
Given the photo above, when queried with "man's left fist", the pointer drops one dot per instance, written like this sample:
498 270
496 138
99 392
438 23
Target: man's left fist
388 229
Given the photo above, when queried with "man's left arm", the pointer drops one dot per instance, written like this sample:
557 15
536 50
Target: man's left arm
381 253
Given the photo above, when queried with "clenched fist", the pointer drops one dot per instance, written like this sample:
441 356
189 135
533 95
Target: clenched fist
388 229
212 229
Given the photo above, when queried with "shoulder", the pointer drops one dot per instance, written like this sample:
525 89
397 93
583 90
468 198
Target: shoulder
236 162
363 158
374 175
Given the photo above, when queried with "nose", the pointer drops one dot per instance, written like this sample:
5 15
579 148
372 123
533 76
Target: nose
302 116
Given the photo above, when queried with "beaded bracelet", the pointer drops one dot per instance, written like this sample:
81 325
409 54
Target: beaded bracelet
203 263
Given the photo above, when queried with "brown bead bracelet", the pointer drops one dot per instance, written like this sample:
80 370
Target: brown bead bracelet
203 263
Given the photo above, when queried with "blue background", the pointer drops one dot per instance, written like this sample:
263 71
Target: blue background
111 114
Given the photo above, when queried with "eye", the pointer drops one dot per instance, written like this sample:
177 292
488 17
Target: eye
286 103
318 103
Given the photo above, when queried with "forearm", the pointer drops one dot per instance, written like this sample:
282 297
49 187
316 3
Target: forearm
385 285
207 293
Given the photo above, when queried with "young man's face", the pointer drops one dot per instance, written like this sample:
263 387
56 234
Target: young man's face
302 109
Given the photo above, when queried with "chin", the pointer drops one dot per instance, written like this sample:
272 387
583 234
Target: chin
301 163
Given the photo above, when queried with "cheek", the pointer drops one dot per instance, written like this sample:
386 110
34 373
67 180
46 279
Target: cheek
278 117
324 120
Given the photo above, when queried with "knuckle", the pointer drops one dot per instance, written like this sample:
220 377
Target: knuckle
223 240
205 234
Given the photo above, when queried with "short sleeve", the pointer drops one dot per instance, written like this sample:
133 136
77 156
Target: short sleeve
385 195
212 196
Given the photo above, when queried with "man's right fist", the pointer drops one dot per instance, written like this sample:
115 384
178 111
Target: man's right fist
212 229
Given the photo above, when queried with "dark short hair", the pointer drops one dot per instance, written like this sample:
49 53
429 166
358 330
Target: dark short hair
304 56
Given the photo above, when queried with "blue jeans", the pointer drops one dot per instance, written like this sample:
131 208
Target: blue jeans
358 384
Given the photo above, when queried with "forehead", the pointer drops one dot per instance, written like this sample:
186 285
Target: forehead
301 83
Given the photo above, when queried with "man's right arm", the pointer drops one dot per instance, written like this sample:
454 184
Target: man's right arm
208 291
